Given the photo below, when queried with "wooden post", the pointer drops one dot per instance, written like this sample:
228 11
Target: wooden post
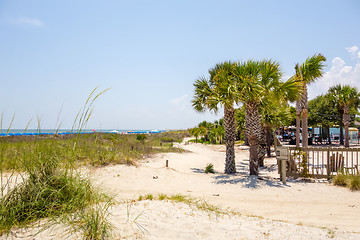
167 163
283 171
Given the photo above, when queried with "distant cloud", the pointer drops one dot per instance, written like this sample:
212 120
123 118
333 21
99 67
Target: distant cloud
27 21
354 51
339 73
180 100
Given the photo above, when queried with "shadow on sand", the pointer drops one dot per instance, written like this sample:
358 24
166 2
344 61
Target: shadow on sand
243 179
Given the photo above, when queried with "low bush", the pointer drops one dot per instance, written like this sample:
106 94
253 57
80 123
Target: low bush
209 168
347 180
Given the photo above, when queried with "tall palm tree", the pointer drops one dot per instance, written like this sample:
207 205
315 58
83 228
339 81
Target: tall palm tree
256 82
307 73
219 91
274 115
346 98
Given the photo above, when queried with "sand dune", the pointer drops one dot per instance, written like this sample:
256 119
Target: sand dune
297 210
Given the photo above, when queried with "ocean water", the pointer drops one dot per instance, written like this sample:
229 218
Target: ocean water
51 131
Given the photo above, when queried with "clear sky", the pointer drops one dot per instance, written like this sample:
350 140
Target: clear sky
53 53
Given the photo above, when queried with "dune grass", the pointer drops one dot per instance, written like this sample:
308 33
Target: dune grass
347 180
39 177
209 168
97 149
49 186
38 180
196 202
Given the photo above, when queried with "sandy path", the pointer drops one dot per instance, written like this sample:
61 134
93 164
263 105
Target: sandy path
314 204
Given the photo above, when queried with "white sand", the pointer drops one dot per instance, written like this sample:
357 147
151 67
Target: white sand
305 210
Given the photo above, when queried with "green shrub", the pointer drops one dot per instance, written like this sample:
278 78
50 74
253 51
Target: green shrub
92 222
347 180
44 196
340 179
149 197
354 182
141 137
209 168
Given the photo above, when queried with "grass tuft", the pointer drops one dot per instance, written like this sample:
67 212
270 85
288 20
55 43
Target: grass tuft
149 197
92 222
347 180
209 168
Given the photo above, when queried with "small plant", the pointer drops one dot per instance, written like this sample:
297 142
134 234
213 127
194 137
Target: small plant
149 197
340 179
92 222
209 168
162 197
304 170
347 180
354 182
141 137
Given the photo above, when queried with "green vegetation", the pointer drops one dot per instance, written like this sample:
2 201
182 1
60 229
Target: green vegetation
209 168
149 197
219 91
347 180
96 149
50 186
209 133
39 177
254 84
92 222
346 100
41 181
304 169
198 203
141 137
306 73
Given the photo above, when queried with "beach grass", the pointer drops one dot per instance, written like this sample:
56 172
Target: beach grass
49 186
347 180
209 168
195 202
39 177
97 149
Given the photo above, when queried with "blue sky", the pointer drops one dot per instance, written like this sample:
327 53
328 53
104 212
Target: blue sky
53 53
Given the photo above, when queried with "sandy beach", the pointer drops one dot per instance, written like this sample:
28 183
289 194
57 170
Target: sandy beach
267 209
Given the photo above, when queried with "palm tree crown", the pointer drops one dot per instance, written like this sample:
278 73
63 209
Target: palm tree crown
219 90
306 73
257 82
346 98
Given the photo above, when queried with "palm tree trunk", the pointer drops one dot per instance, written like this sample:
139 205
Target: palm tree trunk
346 122
329 135
304 122
298 115
341 134
262 147
253 130
305 133
298 130
268 141
230 129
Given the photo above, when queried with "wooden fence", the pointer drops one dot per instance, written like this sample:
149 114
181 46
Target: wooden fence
321 162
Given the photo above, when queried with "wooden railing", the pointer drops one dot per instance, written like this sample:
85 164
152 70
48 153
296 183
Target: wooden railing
322 162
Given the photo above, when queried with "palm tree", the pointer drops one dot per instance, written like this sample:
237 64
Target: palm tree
274 115
346 98
219 91
256 82
323 113
307 73
240 121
